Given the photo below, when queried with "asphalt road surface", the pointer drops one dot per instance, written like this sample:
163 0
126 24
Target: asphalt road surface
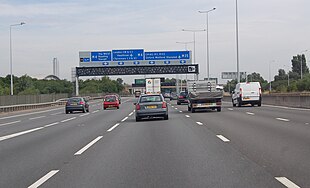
259 147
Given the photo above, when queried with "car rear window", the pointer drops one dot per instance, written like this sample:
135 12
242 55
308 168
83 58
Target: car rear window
110 98
183 94
74 100
151 98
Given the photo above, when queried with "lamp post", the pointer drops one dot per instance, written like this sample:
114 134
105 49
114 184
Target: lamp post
208 52
11 55
194 36
237 41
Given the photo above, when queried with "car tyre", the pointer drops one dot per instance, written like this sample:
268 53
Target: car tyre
219 109
117 107
138 119
193 110
67 111
259 103
166 117
189 108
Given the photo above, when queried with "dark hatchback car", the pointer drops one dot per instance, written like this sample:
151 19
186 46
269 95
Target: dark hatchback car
77 104
182 98
149 106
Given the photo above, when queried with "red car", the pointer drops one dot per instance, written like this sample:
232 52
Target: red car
110 101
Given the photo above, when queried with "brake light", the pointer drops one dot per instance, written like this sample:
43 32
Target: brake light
181 97
81 102
164 105
260 91
138 107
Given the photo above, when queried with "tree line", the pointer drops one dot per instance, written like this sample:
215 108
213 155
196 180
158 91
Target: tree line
297 79
26 85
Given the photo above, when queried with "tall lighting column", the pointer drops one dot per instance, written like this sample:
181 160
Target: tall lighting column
208 52
194 37
11 55
237 41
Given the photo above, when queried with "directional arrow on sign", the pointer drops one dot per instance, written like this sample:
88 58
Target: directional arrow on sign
167 62
136 63
105 63
183 61
151 62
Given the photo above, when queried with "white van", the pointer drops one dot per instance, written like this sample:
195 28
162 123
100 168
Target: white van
247 93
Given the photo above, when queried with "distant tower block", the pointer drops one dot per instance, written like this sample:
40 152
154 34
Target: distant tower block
56 67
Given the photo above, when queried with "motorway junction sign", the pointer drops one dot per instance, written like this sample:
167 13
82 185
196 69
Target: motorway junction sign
133 57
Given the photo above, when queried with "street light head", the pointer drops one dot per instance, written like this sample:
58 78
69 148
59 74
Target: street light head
22 23
214 8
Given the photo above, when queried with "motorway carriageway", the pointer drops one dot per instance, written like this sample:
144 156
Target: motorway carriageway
264 146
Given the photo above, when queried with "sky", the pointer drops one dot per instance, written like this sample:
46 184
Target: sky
270 32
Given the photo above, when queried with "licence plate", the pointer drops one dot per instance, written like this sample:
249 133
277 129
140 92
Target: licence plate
74 104
246 98
151 107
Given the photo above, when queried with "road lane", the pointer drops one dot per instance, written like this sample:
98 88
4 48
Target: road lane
160 153
29 157
279 146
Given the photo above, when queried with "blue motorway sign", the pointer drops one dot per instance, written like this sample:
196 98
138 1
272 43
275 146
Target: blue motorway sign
172 55
128 55
101 56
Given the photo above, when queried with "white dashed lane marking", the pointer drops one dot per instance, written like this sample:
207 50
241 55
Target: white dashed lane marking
187 116
288 183
39 117
180 111
124 119
117 124
283 119
224 139
44 179
230 109
88 146
9 123
51 124
250 113
84 115
68 119
199 123
19 134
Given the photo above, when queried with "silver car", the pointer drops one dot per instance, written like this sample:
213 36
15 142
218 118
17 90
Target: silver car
151 105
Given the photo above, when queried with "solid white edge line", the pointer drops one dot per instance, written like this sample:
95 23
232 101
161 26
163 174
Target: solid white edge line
67 119
283 119
288 183
19 115
223 138
51 124
285 107
130 114
124 119
37 117
109 130
19 133
199 123
43 179
187 116
88 145
180 111
9 123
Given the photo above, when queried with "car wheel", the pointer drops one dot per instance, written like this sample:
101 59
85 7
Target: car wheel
87 110
67 111
178 103
252 104
84 110
188 108
138 119
104 108
117 107
219 109
259 104
193 110
166 117
239 103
